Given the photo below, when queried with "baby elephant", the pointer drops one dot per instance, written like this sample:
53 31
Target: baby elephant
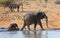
13 27
35 19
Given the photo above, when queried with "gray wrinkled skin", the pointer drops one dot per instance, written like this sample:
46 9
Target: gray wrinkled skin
13 27
34 18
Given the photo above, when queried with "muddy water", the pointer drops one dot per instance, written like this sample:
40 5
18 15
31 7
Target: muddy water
30 34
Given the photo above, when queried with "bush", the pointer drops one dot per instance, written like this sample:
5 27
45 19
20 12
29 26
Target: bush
6 2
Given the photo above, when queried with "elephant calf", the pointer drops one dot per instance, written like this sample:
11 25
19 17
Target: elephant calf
13 27
33 18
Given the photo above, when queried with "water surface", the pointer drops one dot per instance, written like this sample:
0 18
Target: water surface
30 34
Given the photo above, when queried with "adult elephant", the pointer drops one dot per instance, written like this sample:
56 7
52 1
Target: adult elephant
33 18
14 6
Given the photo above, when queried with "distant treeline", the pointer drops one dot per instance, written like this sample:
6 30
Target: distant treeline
2 2
7 1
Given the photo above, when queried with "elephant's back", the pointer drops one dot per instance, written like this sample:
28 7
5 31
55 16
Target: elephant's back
30 18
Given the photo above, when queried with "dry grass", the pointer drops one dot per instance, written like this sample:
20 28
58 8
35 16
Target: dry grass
52 10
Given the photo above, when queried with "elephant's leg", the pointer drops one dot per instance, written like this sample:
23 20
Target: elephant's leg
23 26
18 8
11 9
40 23
28 27
35 26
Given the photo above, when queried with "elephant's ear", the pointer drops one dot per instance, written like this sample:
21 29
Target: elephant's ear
40 15
43 13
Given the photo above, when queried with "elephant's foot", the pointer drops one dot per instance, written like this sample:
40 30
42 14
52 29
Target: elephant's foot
43 29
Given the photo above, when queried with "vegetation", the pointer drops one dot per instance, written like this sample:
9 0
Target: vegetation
6 2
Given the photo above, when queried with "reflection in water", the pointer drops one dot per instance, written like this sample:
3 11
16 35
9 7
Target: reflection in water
34 34
26 34
46 33
30 34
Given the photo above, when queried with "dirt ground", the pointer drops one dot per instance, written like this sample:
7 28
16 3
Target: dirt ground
52 11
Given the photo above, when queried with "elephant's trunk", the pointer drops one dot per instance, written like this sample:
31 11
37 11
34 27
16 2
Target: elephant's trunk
47 21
